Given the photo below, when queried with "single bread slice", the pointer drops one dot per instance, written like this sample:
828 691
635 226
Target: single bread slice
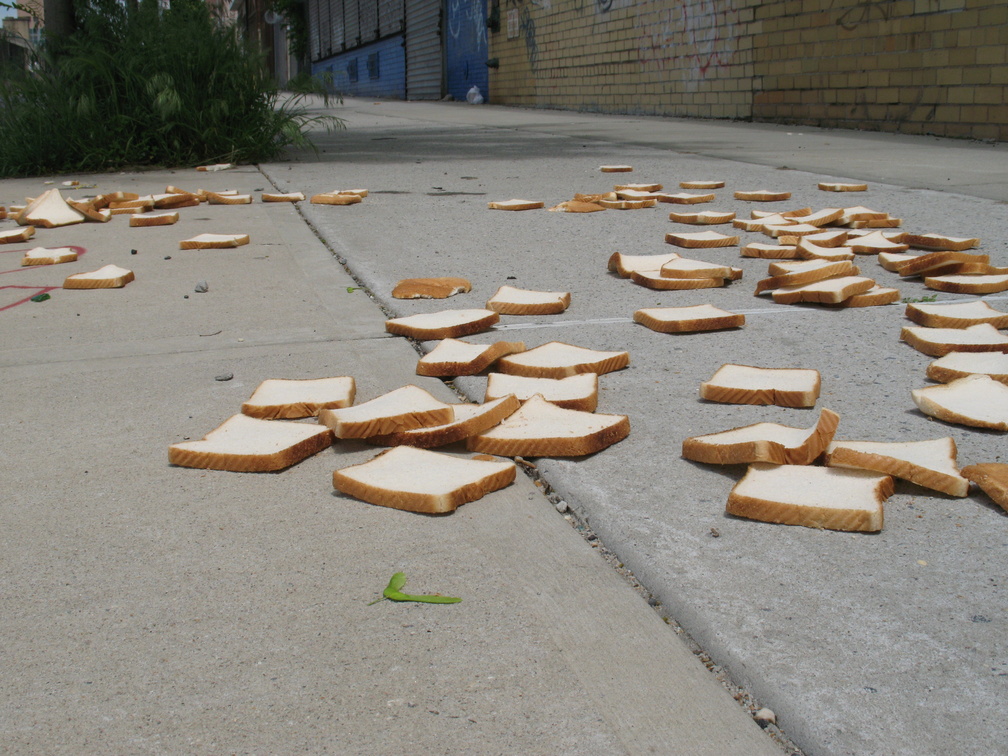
625 265
577 206
808 250
336 198
831 291
831 186
938 342
416 480
823 217
248 444
51 256
956 365
215 241
616 168
956 314
658 281
939 263
576 392
762 195
452 357
992 477
685 198
638 187
107 277
956 284
743 384
509 300
430 288
542 429
894 261
939 242
701 240
213 198
15 235
770 251
873 244
703 218
874 297
931 464
808 272
558 360
684 267
403 409
470 419
283 197
628 204
815 497
446 324
516 204
49 210
976 400
701 184
704 317
153 219
764 442
289 399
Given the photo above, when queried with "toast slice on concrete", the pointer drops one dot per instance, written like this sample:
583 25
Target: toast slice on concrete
106 277
280 398
764 442
452 357
931 464
575 392
402 409
743 384
558 360
976 400
446 324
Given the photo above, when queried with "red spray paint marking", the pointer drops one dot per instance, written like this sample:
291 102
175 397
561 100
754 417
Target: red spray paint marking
35 291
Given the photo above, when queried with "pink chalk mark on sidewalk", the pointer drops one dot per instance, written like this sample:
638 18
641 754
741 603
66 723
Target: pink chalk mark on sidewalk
9 292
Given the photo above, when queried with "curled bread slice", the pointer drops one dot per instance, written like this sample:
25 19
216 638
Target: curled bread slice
516 204
403 409
938 342
771 251
956 314
470 419
939 263
956 365
542 429
625 265
992 477
49 210
90 212
215 167
684 267
153 219
215 241
576 392
976 400
213 198
764 442
957 284
792 231
701 184
417 480
335 198
874 297
701 240
893 261
808 250
823 217
704 317
873 244
175 200
509 300
51 256
16 235
762 195
860 213
577 206
931 464
940 242
558 360
637 194
832 186
283 196
106 277
248 444
628 204
452 357
831 291
815 497
685 198
743 384
446 324
808 272
289 399
430 288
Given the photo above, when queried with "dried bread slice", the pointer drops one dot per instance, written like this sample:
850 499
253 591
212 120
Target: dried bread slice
558 360
808 272
628 204
685 198
815 497
831 291
893 261
701 184
49 210
106 277
957 284
215 167
874 297
764 442
639 187
638 194
470 419
51 256
695 319
625 265
417 480
931 464
701 240
992 477
616 168
446 324
402 409
976 400
452 357
577 206
743 384
13 236
684 267
960 364
431 288
516 204
153 219
703 218
762 195
939 263
873 244
248 444
576 392
90 212
215 241
289 399
823 217
770 251
790 231
336 198
809 251
940 242
508 300
214 198
657 281
283 196
956 314
938 342
542 429
832 186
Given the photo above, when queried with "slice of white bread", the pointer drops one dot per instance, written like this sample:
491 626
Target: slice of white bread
558 360
956 284
335 198
873 244
516 204
791 231
931 464
638 194
992 477
893 261
770 251
542 429
703 218
402 409
15 235
685 198
815 497
807 272
248 444
743 384
576 392
577 206
823 217
215 167
50 256
470 419
416 480
655 280
684 267
940 242
701 184
764 442
616 168
284 398
430 288
860 213
215 241
106 277
938 342
153 219
701 240
956 314
694 319
830 186
956 365
446 324
874 297
762 195
831 237
830 291
939 263
452 357
508 300
625 265
640 187
976 400
627 204
213 198
90 212
283 197
49 210
808 250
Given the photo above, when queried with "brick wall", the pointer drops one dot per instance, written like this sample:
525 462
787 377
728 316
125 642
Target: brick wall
915 66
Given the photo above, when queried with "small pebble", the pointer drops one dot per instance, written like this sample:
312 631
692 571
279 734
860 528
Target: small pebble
224 377
561 506
167 257
715 533
202 287
764 717
185 296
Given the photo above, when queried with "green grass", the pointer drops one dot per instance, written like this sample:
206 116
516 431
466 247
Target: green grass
138 86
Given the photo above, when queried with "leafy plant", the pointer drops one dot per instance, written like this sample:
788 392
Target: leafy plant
137 84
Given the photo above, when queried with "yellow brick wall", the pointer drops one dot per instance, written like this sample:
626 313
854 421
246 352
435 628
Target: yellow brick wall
915 66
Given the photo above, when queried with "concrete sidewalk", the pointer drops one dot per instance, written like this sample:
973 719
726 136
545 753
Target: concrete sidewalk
152 609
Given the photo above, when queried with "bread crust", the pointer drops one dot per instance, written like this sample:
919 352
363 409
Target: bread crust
430 288
992 478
